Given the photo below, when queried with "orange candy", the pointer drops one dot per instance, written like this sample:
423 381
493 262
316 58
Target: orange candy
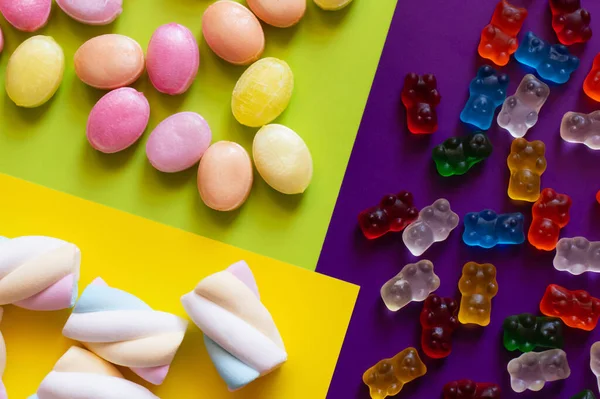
591 84
499 38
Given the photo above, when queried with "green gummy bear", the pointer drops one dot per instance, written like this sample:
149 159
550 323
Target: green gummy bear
525 332
586 394
457 155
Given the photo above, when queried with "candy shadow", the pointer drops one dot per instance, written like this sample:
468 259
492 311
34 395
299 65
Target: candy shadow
153 177
167 102
25 117
59 20
93 159
224 219
328 18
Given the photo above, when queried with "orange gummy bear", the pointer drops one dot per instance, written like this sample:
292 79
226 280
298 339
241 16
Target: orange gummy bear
478 286
499 38
591 84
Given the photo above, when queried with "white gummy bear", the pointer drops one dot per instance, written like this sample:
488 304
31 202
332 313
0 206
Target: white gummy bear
414 283
595 361
532 370
577 255
581 128
434 224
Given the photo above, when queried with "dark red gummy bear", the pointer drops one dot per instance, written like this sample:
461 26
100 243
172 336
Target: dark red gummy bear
467 389
550 214
577 309
438 320
420 97
570 22
394 213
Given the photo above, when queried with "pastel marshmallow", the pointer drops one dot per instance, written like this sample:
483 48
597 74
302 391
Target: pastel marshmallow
92 12
3 394
26 15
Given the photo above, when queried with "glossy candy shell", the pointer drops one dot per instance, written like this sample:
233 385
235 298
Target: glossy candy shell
92 12
26 15
281 14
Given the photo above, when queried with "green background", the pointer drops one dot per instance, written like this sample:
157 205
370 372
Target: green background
333 55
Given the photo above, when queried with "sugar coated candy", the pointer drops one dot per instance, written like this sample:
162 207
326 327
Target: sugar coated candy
595 361
550 214
414 283
420 98
533 370
394 213
92 12
527 163
591 84
520 111
478 286
581 128
438 320
35 71
388 376
457 155
577 309
585 394
278 13
499 38
434 224
332 5
487 229
570 22
26 15
525 332
263 92
486 93
577 255
553 62
468 389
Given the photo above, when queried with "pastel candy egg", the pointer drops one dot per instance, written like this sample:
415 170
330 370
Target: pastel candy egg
263 92
1 40
172 59
92 12
26 15
225 176
117 120
35 71
332 5
109 61
281 14
282 159
233 32
178 142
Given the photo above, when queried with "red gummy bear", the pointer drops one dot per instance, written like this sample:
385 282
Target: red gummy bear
577 309
499 38
550 214
570 22
439 320
394 213
467 389
591 84
420 97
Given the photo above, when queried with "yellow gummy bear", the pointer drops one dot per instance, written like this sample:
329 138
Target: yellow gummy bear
526 162
388 376
478 286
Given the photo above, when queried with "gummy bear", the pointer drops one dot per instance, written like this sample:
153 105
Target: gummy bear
550 214
553 62
585 394
457 155
438 320
394 213
595 361
581 128
420 97
520 112
486 93
434 224
591 84
577 309
577 255
533 369
467 389
387 377
570 22
527 162
478 286
598 196
487 229
526 332
499 38
414 283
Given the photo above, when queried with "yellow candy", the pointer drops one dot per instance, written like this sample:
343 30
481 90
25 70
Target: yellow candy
263 92
35 71
332 5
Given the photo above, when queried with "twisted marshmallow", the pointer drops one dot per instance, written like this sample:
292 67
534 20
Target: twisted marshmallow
80 374
2 361
239 333
124 330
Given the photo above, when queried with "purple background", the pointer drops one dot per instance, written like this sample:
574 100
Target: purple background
441 37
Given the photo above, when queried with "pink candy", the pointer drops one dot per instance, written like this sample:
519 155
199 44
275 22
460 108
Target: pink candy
118 120
173 58
92 12
26 15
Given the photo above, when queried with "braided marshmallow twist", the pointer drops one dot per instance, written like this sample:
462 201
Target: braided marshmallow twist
2 361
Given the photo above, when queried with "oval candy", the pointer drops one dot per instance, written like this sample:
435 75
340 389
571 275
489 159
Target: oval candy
172 59
118 120
35 71
178 142
281 14
282 159
233 32
92 12
26 15
109 61
332 5
263 92
1 40
225 176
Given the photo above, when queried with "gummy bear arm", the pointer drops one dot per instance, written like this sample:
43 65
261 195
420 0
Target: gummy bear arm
532 118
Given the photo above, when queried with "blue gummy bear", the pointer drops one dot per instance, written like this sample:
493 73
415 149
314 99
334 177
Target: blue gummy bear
487 229
486 93
553 62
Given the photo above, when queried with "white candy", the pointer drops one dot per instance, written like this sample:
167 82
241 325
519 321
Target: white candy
435 223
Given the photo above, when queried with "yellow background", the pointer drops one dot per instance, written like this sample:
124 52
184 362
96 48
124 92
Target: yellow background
159 264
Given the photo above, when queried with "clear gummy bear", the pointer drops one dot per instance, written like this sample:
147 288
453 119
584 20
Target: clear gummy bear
435 223
414 283
577 255
595 361
533 369
581 128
